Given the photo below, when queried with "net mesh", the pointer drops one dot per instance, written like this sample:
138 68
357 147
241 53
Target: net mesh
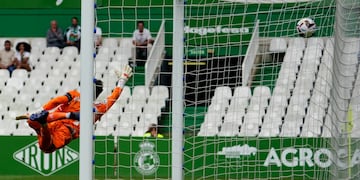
285 122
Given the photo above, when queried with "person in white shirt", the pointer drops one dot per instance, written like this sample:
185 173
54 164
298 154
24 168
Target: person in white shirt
73 33
141 39
22 55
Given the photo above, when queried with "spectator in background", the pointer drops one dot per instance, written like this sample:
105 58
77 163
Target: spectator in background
98 36
72 33
7 57
141 39
153 132
22 56
54 36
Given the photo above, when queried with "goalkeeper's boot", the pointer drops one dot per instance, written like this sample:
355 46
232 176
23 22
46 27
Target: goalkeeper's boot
40 117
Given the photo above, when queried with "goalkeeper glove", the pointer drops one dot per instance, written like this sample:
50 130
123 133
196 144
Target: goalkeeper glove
124 76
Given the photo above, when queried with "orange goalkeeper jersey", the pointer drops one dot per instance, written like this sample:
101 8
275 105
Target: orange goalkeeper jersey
70 102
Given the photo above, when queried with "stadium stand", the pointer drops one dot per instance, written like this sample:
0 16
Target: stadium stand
297 106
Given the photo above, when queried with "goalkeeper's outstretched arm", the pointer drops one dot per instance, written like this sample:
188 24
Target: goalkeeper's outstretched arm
102 108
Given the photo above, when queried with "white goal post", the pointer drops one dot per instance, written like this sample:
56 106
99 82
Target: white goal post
86 99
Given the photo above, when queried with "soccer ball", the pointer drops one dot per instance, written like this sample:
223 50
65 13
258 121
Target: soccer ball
306 27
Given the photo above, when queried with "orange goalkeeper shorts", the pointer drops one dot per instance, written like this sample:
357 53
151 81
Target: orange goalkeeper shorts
58 134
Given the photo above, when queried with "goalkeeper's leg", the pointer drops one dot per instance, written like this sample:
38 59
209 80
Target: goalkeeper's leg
45 140
54 137
54 116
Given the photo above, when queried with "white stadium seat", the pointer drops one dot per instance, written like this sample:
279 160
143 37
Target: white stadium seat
39 43
229 129
7 127
315 42
277 45
313 54
70 51
261 94
241 99
285 82
126 47
152 108
249 129
148 119
46 61
134 107
104 131
281 91
102 58
218 108
311 128
129 118
252 118
23 129
17 83
52 51
238 105
222 93
110 42
293 54
297 42
294 119
108 51
208 130
234 117
20 73
116 65
278 100
100 67
289 129
257 108
160 91
277 110
242 91
123 129
269 130
213 118
121 58
273 118
140 92
4 74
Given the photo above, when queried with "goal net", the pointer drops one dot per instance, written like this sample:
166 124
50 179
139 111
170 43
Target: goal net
260 102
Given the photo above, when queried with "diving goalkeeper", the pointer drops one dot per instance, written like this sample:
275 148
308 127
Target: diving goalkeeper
57 123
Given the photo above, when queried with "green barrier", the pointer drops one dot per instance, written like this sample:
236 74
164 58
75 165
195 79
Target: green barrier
20 155
211 157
